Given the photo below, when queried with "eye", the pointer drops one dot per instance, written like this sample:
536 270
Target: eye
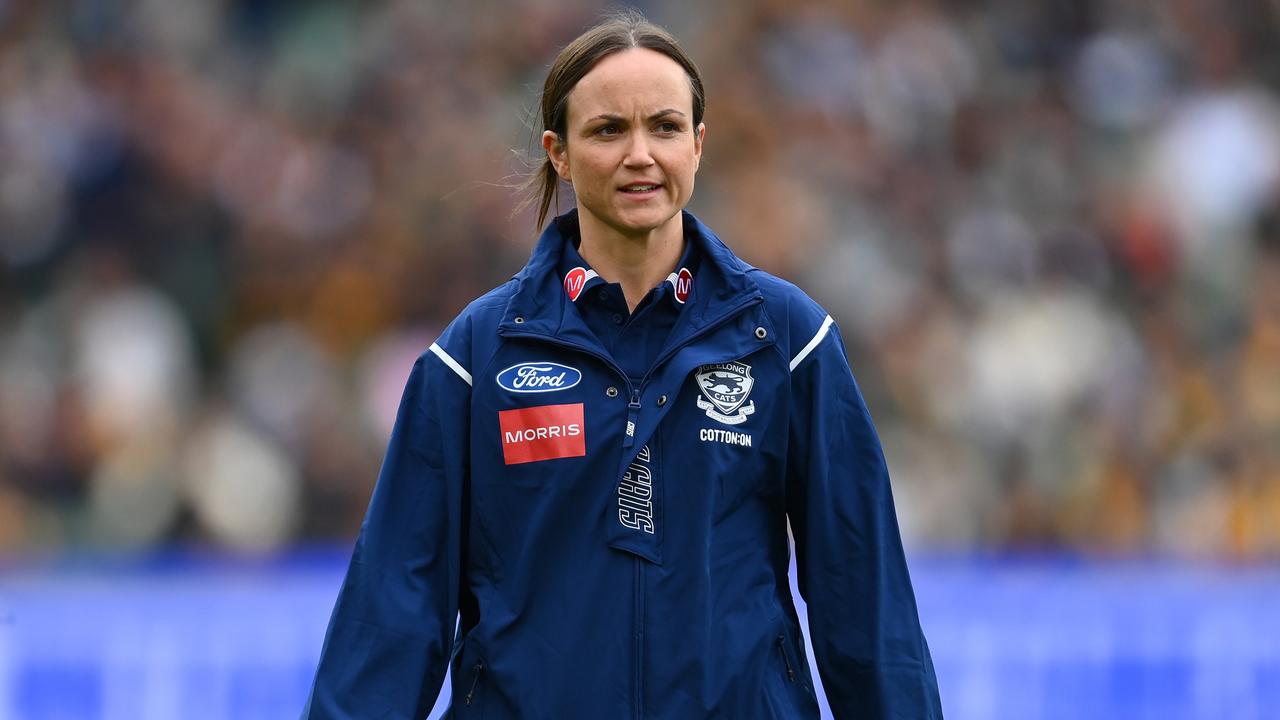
668 127
607 130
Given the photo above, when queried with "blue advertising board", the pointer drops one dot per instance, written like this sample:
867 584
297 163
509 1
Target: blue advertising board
212 638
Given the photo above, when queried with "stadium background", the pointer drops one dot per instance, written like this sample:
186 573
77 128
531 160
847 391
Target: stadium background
1050 231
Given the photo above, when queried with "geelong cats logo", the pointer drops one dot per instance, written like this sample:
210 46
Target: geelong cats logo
725 387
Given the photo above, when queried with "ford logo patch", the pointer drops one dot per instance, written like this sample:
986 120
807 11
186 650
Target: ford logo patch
535 377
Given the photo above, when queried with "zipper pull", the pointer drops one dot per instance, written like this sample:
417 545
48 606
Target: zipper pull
633 413
475 680
782 648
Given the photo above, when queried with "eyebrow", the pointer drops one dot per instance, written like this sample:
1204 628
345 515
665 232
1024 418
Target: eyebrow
619 118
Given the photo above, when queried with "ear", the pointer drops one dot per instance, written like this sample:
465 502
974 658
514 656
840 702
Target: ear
557 153
698 134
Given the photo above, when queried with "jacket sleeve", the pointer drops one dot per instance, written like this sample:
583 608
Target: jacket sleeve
852 573
390 635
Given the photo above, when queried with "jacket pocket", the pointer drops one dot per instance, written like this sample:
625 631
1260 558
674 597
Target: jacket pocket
794 667
476 671
469 692
787 692
781 642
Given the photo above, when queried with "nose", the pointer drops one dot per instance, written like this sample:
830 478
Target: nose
638 152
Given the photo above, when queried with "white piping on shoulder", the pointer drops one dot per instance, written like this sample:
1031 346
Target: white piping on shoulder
453 364
822 332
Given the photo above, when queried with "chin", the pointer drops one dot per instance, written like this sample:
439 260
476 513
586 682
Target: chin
634 222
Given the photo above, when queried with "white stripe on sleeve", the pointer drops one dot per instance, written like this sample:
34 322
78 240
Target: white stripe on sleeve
822 332
453 364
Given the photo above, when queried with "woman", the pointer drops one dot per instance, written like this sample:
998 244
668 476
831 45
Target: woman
593 468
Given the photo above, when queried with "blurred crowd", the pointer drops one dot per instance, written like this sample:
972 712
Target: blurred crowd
1049 230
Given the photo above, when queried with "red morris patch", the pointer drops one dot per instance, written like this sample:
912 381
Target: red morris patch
545 432
574 281
682 284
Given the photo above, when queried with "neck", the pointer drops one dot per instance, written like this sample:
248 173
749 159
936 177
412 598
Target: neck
636 262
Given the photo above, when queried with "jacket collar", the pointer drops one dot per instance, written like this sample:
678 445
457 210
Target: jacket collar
578 277
540 305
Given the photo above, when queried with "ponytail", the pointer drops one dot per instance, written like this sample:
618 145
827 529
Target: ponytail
542 186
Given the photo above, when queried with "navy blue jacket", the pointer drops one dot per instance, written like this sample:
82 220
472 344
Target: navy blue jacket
607 549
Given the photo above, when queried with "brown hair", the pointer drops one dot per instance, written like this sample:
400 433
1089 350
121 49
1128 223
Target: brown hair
616 32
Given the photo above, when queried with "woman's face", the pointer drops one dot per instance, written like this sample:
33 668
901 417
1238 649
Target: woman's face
632 149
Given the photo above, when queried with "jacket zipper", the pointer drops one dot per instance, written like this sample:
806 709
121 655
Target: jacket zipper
782 648
475 680
633 415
